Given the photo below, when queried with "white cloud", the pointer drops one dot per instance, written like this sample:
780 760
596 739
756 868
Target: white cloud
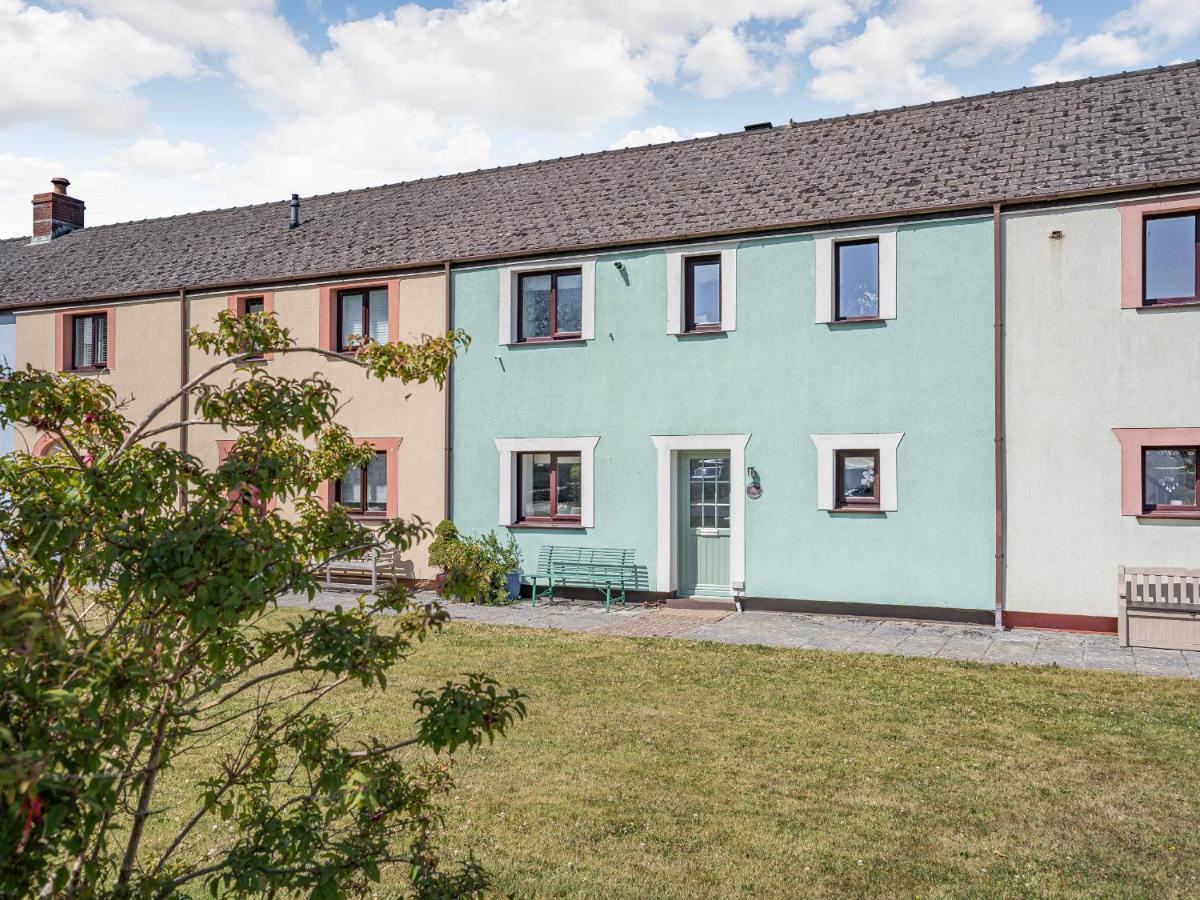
655 134
1131 38
63 66
722 62
886 64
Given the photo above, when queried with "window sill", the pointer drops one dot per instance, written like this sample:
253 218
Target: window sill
1168 514
1168 304
549 342
700 332
85 372
541 526
856 511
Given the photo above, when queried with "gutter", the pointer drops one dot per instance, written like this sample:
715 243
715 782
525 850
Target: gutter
998 406
448 410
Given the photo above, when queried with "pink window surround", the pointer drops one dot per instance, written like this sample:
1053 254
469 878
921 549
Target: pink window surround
1133 441
237 305
64 332
390 446
329 309
1133 217
223 448
45 445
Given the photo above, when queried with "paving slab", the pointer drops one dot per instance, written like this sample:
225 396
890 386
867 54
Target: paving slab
903 637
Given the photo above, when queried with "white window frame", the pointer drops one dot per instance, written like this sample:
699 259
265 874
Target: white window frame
510 450
826 296
510 298
885 443
676 296
668 447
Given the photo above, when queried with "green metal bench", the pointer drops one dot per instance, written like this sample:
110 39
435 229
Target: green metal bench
608 570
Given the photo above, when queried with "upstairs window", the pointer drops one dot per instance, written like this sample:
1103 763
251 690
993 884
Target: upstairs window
856 479
702 293
1171 249
253 306
363 489
1169 479
856 280
550 487
550 305
362 315
89 342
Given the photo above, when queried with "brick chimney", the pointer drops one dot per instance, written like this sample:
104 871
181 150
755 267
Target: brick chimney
54 214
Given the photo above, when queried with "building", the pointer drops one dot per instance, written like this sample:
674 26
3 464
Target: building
902 361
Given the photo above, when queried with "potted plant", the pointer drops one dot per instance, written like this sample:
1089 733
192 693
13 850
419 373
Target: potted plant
477 570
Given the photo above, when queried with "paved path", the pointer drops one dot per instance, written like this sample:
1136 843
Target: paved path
860 635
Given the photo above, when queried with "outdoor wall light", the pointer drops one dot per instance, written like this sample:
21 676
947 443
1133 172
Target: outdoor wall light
620 265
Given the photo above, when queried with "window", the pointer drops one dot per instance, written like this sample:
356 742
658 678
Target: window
89 343
362 315
708 483
550 487
1169 479
363 489
551 305
253 306
856 280
702 293
1170 254
857 484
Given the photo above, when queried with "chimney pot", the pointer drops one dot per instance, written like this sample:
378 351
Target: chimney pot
55 213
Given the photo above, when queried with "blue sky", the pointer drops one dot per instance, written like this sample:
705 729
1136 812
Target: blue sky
153 107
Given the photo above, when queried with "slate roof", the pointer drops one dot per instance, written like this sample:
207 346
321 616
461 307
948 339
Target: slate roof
1115 132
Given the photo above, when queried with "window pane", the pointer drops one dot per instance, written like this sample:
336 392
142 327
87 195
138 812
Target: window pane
704 291
535 485
1170 477
254 306
377 483
570 303
858 477
352 319
1170 257
535 306
722 516
351 490
82 352
379 315
100 338
858 280
570 485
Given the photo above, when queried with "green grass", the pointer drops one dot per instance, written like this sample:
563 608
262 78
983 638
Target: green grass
659 768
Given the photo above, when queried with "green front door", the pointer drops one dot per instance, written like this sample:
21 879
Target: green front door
704 525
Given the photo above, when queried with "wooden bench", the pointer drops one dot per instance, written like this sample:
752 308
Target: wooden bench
608 570
356 572
1159 608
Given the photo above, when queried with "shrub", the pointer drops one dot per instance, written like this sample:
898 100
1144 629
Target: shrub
476 569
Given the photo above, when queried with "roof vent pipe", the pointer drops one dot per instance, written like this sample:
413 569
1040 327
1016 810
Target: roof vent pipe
295 204
758 126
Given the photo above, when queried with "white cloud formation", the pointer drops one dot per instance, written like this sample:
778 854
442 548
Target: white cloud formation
887 63
61 65
655 134
1131 38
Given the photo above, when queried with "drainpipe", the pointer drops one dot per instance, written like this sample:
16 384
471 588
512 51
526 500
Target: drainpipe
183 379
446 398
998 405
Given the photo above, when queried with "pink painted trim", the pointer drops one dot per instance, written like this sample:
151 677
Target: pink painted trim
1132 441
328 313
223 448
45 444
391 446
62 336
237 306
1133 216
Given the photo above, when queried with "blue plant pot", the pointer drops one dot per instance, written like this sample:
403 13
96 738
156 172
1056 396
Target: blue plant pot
512 584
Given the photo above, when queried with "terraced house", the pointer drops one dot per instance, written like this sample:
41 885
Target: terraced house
935 361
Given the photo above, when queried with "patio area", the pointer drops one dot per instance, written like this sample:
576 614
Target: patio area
901 637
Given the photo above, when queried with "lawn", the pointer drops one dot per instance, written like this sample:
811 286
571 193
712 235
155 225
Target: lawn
660 768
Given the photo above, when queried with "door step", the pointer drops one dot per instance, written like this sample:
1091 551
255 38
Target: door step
725 604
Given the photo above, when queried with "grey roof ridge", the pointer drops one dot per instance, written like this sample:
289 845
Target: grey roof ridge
729 135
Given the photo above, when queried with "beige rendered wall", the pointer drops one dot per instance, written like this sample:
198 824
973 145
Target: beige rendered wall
144 368
372 409
1077 365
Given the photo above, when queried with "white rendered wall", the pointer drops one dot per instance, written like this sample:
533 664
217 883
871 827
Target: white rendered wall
1077 365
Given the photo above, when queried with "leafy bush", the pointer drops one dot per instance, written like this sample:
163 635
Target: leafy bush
477 569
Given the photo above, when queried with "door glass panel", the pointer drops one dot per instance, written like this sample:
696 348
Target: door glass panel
570 485
1170 478
708 481
1170 257
535 306
377 483
858 280
535 485
570 303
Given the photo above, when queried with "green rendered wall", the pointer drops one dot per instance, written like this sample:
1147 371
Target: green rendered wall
780 377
